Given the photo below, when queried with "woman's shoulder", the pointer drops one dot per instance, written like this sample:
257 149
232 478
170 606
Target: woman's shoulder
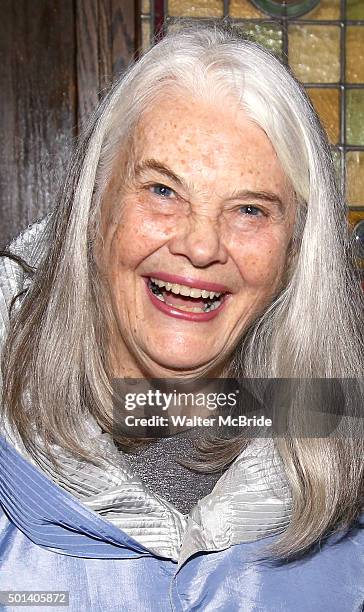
21 255
28 245
27 248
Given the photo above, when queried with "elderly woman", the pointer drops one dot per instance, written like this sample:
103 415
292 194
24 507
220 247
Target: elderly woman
200 234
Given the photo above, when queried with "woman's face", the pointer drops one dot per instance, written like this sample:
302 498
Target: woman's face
208 214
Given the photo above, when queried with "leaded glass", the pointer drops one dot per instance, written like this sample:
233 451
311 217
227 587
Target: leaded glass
314 53
355 175
355 116
198 8
355 54
327 105
290 8
326 9
356 220
354 9
244 9
268 34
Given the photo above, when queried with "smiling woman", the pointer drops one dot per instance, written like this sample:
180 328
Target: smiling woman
200 234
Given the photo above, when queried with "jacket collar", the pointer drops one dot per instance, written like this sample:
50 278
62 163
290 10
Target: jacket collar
249 502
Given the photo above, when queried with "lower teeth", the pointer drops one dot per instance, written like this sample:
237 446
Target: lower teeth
207 308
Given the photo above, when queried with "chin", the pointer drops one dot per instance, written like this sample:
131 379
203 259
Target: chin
183 362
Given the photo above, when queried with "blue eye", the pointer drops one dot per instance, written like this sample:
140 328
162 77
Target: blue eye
162 190
252 211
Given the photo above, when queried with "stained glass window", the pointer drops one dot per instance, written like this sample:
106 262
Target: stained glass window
322 41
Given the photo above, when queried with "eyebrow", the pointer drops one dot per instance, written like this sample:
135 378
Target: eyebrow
153 164
265 196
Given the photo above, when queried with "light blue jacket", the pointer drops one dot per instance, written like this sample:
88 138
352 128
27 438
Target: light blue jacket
50 542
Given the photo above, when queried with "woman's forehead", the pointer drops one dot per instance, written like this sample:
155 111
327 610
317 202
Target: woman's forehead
204 140
194 119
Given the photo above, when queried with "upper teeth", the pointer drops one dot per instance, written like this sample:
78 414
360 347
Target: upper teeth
184 290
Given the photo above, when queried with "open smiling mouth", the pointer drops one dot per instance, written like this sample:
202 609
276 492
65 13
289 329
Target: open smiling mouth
184 298
189 299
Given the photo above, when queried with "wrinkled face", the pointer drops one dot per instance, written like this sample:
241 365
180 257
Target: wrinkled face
195 240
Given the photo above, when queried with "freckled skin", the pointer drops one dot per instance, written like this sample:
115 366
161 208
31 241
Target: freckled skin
198 231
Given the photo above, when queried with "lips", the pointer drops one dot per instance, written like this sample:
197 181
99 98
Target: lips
186 298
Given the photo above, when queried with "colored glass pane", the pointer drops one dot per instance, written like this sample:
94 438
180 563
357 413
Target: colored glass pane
197 8
355 178
355 54
358 238
290 8
314 52
267 34
244 9
326 9
354 9
355 216
355 116
326 103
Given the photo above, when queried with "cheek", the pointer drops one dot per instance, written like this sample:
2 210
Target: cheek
138 234
261 260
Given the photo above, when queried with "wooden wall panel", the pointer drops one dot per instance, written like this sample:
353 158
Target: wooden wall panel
37 112
87 58
56 59
105 47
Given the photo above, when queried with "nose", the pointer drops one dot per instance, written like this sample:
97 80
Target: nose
198 237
